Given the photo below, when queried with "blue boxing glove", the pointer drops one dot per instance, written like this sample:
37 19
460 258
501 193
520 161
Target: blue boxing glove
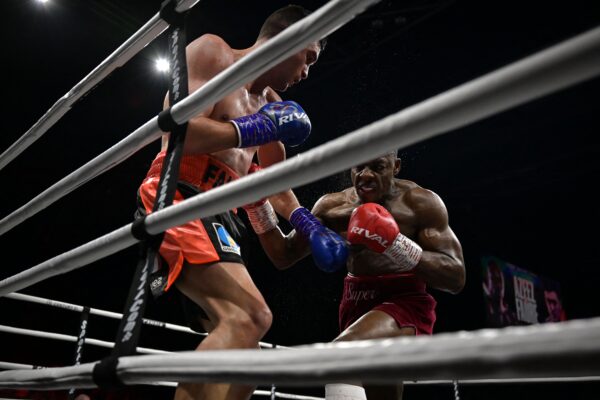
282 120
329 249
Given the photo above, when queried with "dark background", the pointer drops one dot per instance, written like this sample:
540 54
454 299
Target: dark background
517 185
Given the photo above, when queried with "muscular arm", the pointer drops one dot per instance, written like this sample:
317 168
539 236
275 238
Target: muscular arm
286 250
329 249
442 264
283 250
285 202
207 56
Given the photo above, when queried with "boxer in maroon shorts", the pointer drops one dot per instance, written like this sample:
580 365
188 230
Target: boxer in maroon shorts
399 241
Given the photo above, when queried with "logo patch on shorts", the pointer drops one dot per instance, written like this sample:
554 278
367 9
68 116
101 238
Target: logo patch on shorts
225 240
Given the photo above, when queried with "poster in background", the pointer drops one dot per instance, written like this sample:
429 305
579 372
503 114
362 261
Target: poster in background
515 296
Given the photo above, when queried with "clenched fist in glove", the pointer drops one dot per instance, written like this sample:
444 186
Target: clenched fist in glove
329 249
285 121
373 226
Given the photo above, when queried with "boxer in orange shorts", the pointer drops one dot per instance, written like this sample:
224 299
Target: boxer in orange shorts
203 258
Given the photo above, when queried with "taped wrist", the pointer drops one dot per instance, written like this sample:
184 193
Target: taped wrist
404 252
254 130
262 217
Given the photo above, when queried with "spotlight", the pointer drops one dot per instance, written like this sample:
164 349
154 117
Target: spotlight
161 65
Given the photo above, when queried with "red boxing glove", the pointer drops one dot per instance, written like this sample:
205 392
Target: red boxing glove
373 226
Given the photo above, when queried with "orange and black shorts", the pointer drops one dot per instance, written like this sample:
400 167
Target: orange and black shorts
202 241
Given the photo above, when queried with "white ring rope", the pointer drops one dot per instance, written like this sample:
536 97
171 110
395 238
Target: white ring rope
69 338
572 379
146 34
565 349
98 312
109 314
311 28
11 398
72 307
558 67
15 366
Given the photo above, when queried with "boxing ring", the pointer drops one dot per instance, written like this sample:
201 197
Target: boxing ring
549 352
